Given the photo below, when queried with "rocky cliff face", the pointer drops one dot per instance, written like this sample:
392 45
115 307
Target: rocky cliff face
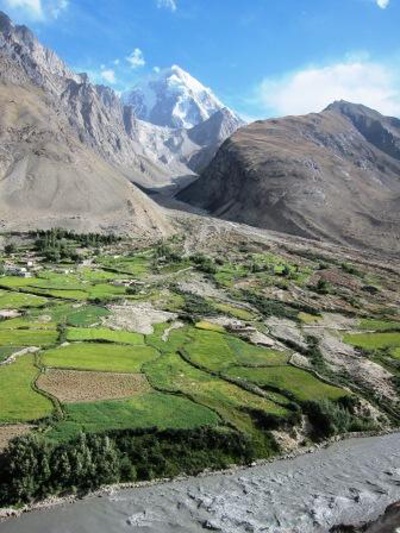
332 175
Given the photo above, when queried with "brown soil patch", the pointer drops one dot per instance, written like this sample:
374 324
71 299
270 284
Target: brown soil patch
78 386
7 433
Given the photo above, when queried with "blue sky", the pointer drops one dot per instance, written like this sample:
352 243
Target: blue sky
261 57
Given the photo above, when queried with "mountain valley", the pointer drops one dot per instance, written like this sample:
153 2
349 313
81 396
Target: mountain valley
182 292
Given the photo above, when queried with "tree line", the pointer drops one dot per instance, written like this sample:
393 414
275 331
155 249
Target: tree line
33 468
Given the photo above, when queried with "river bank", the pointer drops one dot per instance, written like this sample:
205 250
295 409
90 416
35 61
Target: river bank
55 501
350 482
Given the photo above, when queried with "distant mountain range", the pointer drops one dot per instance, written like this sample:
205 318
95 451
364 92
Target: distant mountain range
73 153
69 148
333 175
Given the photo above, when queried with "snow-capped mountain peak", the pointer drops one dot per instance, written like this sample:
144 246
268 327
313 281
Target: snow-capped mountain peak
173 98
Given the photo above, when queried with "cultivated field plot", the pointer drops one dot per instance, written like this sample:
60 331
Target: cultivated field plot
18 300
216 351
14 282
86 386
18 401
105 334
153 409
171 373
102 357
66 294
298 383
26 337
80 315
137 266
27 323
379 325
374 341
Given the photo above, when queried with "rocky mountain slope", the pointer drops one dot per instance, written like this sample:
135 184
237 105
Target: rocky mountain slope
146 154
334 175
48 178
52 172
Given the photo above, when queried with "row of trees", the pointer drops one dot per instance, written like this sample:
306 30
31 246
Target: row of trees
58 244
33 468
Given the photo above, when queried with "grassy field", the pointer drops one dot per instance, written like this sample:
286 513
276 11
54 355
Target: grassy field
379 325
15 282
80 315
248 354
373 341
26 323
100 357
298 383
137 266
148 410
66 294
171 373
28 337
106 291
18 300
216 352
104 334
18 401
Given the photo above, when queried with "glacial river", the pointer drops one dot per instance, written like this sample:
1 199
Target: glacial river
350 482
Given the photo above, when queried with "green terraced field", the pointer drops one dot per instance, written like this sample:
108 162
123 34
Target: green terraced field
18 300
26 323
136 266
26 337
99 356
171 373
106 291
15 282
104 334
298 383
149 410
18 401
216 352
379 325
66 294
68 313
373 341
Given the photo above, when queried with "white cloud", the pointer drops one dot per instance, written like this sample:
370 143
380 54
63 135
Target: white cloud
170 4
117 61
313 88
54 8
37 9
109 76
156 69
32 8
136 58
383 4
